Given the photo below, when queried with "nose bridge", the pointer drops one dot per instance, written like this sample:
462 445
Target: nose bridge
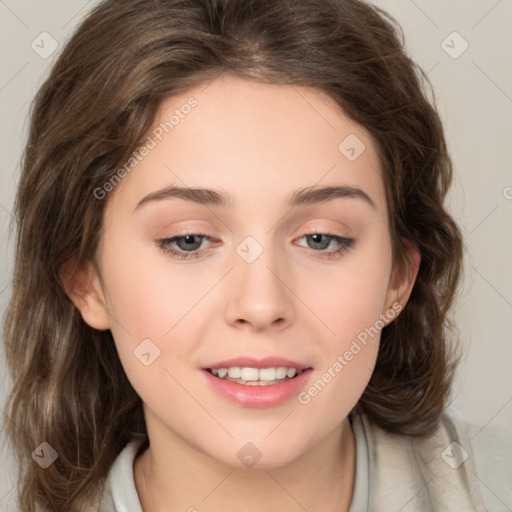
259 296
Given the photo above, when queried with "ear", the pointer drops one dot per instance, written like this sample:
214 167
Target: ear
83 287
402 280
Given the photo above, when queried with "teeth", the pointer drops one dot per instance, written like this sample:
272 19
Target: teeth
255 374
235 373
280 372
249 374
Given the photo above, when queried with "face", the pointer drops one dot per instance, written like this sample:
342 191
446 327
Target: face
190 282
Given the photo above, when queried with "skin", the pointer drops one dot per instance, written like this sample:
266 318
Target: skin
260 143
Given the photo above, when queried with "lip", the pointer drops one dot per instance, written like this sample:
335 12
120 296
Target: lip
251 362
258 396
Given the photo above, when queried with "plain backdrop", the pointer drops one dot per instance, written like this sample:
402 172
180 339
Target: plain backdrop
465 48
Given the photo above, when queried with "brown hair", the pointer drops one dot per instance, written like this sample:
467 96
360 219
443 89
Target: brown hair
95 109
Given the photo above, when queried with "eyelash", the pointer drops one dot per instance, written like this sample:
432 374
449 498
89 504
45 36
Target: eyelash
165 245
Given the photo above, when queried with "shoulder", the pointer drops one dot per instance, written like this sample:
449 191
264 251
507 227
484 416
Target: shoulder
443 470
490 448
492 451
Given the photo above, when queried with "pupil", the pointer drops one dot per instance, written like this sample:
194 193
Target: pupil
317 239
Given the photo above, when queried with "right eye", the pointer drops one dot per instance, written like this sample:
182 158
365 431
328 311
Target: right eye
182 241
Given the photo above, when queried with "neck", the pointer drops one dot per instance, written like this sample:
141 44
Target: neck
319 479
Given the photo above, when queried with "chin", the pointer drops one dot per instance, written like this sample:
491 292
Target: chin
258 455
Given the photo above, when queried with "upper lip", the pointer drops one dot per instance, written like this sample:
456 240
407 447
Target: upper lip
251 362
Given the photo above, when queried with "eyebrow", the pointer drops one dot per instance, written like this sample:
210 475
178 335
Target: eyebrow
212 197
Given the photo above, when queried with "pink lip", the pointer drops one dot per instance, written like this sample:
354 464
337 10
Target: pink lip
258 396
251 362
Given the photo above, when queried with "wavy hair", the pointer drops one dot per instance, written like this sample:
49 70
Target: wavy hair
96 107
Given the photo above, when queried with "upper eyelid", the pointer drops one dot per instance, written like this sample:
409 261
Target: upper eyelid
307 231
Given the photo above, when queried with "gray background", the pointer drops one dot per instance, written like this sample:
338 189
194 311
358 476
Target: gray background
474 95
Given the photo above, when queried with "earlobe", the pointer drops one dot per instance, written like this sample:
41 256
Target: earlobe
83 287
402 283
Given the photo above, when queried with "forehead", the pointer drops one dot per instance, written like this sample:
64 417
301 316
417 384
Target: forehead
255 141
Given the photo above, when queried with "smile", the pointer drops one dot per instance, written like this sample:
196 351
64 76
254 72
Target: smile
256 376
258 393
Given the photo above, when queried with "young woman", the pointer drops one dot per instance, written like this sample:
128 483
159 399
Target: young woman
234 269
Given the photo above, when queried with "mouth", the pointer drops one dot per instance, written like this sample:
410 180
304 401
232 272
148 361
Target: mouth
250 376
252 387
257 383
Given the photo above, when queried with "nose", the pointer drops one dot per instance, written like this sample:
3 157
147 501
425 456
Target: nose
260 294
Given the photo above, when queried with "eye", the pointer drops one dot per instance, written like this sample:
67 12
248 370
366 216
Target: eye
323 240
189 244
185 242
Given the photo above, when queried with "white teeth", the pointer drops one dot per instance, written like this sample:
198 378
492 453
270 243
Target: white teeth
235 373
281 372
249 374
269 374
255 374
290 372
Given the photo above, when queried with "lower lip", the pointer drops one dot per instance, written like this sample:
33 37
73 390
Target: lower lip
258 396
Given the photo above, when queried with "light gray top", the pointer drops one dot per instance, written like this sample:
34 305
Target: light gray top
460 467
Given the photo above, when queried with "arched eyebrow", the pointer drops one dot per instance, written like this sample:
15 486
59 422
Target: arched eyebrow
222 199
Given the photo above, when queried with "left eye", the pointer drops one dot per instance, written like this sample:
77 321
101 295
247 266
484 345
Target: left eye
188 244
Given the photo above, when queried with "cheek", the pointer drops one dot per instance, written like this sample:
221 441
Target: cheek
350 295
149 293
352 307
349 348
155 299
